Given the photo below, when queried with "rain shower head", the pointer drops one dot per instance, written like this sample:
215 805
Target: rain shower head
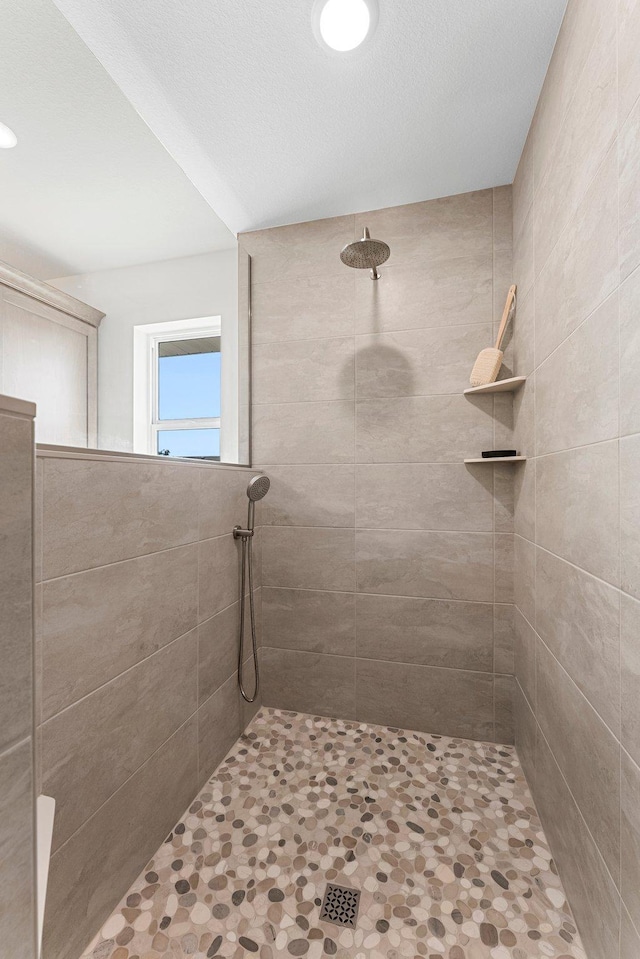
258 487
366 254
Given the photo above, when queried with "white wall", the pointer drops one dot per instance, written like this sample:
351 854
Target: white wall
178 289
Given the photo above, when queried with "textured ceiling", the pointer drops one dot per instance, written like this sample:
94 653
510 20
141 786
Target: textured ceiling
272 129
88 187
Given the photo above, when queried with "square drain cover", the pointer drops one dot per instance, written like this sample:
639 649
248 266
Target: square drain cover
340 905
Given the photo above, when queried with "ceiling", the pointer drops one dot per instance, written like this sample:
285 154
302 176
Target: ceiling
88 187
273 129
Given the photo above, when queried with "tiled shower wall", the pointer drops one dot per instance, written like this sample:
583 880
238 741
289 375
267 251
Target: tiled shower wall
137 646
17 878
387 583
577 517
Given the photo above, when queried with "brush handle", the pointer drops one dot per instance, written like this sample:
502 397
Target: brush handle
511 295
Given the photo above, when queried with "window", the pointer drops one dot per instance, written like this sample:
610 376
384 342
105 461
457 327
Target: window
177 388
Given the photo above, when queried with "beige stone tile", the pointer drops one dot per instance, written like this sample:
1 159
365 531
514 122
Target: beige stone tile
299 249
219 723
17 915
309 558
315 495
100 622
303 371
590 890
90 872
504 689
315 621
304 433
422 429
577 508
16 538
503 495
629 167
524 419
90 749
424 496
299 308
524 495
523 184
418 362
434 230
503 640
630 674
628 66
578 617
309 682
629 938
630 355
99 512
502 421
523 256
577 386
218 648
582 270
454 702
428 632
504 568
630 514
434 565
524 580
525 645
523 336
575 731
413 295
218 575
630 826
222 500
525 731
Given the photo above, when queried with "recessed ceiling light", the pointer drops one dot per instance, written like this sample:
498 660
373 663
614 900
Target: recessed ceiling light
343 25
8 138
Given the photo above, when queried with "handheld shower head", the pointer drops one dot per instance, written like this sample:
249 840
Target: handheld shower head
366 254
258 487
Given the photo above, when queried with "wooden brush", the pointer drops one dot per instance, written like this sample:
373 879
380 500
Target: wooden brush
487 366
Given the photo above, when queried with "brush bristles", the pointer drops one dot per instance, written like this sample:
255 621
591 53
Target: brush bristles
486 367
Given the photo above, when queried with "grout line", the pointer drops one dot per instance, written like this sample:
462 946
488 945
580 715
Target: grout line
394 662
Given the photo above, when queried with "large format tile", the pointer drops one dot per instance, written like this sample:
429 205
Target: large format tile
218 649
16 542
219 725
630 675
628 66
630 355
17 912
89 873
630 514
525 650
629 937
577 508
99 512
454 702
434 565
503 567
299 308
575 731
316 621
304 433
504 693
629 188
425 631
98 623
223 500
218 575
524 578
422 429
577 386
309 682
299 249
630 826
525 734
424 496
303 371
578 617
503 638
90 749
315 495
309 558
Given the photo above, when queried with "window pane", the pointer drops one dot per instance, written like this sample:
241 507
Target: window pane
189 443
189 383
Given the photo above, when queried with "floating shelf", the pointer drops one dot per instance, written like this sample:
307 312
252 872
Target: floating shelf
500 386
498 459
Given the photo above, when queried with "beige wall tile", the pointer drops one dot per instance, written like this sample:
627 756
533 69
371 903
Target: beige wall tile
523 183
525 649
577 386
577 507
453 702
628 66
630 826
504 568
523 258
90 873
629 164
218 575
316 621
424 496
17 916
504 709
425 631
315 495
523 335
299 308
222 501
303 371
525 732
309 682
630 355
630 674
218 649
219 725
298 250
578 617
575 730
422 429
433 565
524 495
629 938
309 558
304 433
98 623
630 514
99 512
503 641
90 749
524 578
503 498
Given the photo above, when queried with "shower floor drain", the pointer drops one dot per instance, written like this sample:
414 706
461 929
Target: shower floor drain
340 905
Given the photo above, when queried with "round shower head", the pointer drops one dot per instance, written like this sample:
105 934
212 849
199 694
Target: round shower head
258 487
366 254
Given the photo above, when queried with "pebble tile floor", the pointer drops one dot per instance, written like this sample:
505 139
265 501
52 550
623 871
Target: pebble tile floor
440 835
